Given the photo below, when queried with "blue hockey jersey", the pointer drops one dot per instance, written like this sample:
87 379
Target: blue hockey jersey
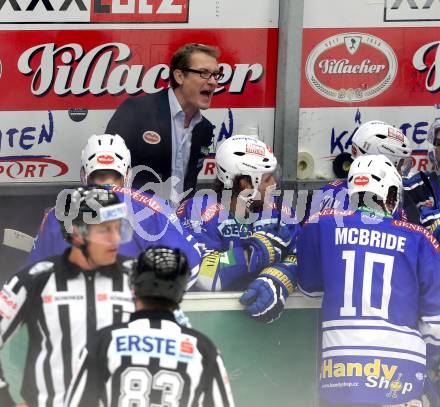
222 238
380 281
332 195
154 224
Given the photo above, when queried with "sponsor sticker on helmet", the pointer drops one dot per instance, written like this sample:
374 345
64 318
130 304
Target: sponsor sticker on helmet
151 137
254 149
361 180
395 134
351 67
105 159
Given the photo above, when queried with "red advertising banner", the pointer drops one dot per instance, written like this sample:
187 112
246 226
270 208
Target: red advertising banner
370 67
97 69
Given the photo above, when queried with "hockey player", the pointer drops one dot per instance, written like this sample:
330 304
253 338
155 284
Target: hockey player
373 137
106 161
65 299
380 282
424 187
151 360
248 246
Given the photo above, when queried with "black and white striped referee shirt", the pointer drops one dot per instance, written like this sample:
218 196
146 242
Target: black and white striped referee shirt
63 307
150 362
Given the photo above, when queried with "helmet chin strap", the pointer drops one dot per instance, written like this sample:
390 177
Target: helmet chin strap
84 248
248 200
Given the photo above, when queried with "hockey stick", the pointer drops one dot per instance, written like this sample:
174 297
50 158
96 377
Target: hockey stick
18 240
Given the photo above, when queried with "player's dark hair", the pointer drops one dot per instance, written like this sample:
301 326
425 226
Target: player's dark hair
158 303
392 196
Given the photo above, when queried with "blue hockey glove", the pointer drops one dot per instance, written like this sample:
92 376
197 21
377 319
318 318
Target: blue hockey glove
267 247
265 297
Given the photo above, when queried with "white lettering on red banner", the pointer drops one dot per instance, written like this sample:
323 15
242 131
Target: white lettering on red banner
61 70
96 64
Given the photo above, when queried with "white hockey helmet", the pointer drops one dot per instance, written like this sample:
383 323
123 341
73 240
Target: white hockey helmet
244 155
105 152
434 143
376 137
374 174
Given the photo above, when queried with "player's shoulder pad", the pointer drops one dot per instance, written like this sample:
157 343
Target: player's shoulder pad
142 198
418 229
199 208
211 211
327 213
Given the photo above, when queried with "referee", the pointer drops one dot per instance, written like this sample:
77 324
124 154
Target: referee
151 360
65 299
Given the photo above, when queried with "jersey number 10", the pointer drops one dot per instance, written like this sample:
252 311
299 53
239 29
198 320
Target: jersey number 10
367 284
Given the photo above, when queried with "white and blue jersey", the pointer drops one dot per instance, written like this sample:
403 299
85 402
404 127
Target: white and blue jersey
380 282
222 238
154 224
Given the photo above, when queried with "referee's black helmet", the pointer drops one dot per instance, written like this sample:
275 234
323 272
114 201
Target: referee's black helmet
160 272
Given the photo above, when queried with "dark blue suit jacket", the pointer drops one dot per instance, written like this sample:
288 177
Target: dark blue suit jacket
137 118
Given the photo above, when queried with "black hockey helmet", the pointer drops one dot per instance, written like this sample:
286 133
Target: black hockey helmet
89 205
160 272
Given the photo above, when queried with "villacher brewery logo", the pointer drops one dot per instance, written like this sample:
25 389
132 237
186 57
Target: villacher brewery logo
351 67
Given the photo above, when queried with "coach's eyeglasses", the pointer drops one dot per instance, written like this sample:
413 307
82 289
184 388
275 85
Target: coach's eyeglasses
205 74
